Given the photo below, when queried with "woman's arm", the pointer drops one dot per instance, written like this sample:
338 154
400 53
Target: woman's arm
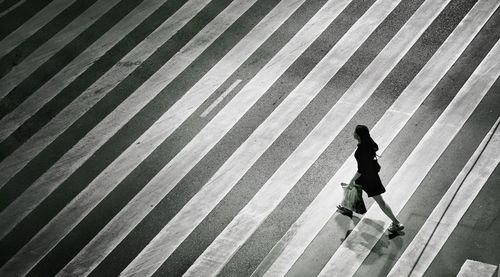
356 176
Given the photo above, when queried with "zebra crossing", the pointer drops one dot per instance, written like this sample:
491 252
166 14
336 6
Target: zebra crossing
94 139
414 169
59 223
84 102
32 25
456 200
390 124
45 51
48 91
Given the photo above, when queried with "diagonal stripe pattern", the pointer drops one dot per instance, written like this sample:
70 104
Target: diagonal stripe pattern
308 226
213 86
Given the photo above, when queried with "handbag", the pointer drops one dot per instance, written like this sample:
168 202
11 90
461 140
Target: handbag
353 198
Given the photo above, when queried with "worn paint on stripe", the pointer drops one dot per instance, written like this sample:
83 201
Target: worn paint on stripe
445 217
220 98
70 72
347 260
304 230
157 188
57 42
33 24
19 158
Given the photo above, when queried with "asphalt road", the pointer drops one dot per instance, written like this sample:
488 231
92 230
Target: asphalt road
100 151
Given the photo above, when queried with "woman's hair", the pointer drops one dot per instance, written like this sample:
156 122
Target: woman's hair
364 135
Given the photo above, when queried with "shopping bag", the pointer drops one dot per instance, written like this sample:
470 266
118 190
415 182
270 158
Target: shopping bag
353 198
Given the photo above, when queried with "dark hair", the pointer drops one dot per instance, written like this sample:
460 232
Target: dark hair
364 135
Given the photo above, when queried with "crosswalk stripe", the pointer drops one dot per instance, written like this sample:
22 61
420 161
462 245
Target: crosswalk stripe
217 101
33 24
112 176
187 54
236 166
11 8
186 220
49 90
305 229
166 179
346 260
445 217
60 171
171 120
472 268
276 188
21 156
49 181
57 42
233 251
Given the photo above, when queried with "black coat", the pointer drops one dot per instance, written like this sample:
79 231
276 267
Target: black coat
368 167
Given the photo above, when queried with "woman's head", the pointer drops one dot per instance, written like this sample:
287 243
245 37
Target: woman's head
362 134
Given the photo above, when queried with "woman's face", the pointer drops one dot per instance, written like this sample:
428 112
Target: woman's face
355 135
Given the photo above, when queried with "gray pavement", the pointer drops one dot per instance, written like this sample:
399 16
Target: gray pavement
159 194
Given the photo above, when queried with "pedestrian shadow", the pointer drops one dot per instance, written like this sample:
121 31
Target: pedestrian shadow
386 246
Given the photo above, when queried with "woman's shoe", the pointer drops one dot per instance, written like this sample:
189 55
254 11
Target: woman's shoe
396 227
344 211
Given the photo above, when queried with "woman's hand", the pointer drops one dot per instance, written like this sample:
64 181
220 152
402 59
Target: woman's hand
356 176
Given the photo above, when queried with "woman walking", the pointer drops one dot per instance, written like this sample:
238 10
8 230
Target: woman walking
367 174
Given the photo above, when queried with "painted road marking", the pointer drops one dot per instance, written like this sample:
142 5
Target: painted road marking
19 158
70 72
474 268
275 189
235 167
54 44
38 191
157 188
290 172
124 164
346 260
269 25
220 98
36 22
306 228
445 217
188 218
12 7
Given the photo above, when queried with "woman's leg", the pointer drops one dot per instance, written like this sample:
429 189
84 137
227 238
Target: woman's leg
385 208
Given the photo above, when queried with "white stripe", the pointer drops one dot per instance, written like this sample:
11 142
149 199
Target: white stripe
450 209
276 188
54 44
317 214
477 269
128 160
235 167
197 45
33 24
185 56
220 98
17 160
12 7
346 260
159 186
65 76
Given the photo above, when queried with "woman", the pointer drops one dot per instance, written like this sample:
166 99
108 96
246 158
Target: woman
367 174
